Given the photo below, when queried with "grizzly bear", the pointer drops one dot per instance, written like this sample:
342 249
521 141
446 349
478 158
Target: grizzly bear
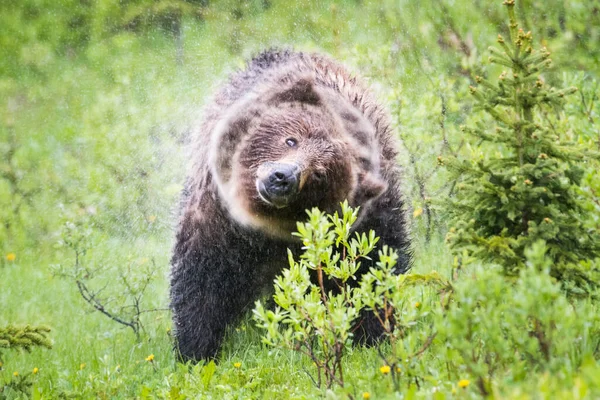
290 132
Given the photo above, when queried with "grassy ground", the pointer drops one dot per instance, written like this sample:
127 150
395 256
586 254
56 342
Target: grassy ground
95 135
93 357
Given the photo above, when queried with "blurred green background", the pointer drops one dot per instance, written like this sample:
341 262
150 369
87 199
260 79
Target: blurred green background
96 102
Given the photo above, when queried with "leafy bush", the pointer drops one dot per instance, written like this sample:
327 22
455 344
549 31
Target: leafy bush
316 321
483 326
495 327
316 318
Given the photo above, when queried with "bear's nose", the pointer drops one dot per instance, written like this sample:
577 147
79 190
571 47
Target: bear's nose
283 179
279 183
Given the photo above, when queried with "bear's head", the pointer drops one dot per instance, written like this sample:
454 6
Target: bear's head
289 147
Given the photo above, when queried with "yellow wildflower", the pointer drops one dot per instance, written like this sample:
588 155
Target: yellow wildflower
82 366
36 370
11 257
417 304
463 383
385 369
150 358
418 212
237 364
366 395
15 374
398 369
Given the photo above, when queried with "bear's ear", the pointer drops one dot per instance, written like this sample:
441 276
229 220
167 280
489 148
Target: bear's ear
369 187
227 134
302 90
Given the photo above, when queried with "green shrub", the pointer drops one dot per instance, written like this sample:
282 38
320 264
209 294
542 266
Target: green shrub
308 318
524 184
495 327
318 322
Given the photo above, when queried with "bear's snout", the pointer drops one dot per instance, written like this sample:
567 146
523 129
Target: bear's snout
278 183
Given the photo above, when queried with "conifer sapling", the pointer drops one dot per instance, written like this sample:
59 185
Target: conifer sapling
524 185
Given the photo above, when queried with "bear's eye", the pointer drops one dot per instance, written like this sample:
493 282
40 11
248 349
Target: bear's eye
291 142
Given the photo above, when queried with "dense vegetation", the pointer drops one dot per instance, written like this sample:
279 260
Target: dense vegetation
96 101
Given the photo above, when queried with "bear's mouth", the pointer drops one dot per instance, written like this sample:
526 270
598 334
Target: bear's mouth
277 201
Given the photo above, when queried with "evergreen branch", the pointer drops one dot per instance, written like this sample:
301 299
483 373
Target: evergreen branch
24 337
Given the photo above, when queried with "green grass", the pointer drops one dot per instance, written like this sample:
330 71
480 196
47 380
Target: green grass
93 132
93 357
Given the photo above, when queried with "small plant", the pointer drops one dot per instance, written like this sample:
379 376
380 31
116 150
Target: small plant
309 318
316 317
524 186
122 295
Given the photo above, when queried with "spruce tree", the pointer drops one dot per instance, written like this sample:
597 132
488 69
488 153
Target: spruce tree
24 337
524 187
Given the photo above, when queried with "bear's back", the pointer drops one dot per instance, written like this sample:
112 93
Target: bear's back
280 67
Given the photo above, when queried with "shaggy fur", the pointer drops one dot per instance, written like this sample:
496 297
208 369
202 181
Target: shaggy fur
285 108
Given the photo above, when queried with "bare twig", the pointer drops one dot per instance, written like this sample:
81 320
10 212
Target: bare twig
426 345
91 299
128 314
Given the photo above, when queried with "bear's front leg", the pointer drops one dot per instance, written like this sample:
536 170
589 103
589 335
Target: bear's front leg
209 291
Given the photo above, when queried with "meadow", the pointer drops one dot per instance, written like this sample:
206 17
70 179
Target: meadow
97 100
